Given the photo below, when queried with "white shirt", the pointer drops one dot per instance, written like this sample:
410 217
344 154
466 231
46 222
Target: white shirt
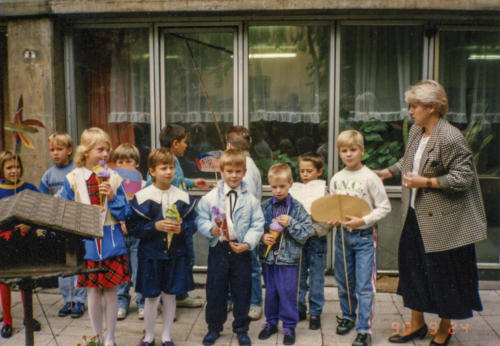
230 225
416 166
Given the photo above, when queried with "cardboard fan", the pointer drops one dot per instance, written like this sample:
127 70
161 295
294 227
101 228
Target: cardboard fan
335 207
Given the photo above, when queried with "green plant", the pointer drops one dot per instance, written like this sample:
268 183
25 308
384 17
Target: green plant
92 341
380 150
265 164
474 137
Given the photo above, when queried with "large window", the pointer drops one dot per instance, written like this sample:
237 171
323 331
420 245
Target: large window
469 69
288 71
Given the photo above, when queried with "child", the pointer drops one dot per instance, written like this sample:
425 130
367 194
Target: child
229 262
11 171
360 241
174 137
314 251
163 261
238 137
280 265
126 156
60 150
81 185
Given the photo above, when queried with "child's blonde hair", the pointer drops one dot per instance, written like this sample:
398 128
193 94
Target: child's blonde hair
90 137
349 138
233 157
280 171
126 151
61 138
9 155
160 156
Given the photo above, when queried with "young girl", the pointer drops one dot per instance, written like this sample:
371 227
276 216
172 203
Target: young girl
11 171
164 268
81 185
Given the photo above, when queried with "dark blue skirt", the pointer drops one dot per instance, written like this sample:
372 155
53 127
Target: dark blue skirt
443 283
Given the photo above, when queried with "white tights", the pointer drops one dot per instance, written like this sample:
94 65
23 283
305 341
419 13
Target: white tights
150 313
95 296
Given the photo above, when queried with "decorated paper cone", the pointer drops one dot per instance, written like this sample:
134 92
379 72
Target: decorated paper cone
103 174
172 214
220 221
275 230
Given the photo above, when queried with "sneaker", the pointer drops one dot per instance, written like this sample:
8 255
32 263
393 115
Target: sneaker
268 329
255 312
78 310
229 306
362 339
344 325
122 313
6 331
302 315
244 339
314 322
288 336
36 325
210 338
189 303
65 310
145 343
140 313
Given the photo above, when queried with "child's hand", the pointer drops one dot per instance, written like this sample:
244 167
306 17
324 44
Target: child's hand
124 227
168 226
105 189
334 223
23 228
239 247
353 222
216 231
268 239
201 184
283 220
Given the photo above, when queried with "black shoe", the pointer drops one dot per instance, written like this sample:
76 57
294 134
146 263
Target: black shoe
244 339
36 325
288 336
267 330
6 331
363 339
145 343
400 339
210 338
344 325
302 315
433 343
314 322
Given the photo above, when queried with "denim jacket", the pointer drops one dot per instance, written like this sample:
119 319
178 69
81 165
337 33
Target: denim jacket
294 235
247 216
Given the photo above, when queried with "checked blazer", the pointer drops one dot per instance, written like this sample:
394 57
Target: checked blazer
452 216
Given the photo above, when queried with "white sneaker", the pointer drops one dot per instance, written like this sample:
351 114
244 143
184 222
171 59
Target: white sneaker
122 313
255 312
189 303
140 313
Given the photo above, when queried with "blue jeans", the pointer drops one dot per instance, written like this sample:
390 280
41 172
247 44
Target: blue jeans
360 247
133 261
69 291
313 265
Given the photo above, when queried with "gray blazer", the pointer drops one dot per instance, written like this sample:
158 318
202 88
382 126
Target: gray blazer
452 216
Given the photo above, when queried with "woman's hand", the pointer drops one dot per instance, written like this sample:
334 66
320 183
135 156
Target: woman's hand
413 180
106 190
268 239
383 173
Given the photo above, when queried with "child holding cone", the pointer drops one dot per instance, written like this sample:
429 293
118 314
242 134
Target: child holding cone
280 265
163 216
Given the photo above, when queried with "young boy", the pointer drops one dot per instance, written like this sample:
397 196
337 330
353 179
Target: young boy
280 254
314 251
60 150
163 215
230 262
126 156
359 237
174 137
238 137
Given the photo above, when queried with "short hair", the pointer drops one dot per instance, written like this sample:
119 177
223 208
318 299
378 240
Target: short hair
160 156
239 137
89 138
126 151
280 171
316 159
171 133
233 157
428 93
349 138
7 155
61 138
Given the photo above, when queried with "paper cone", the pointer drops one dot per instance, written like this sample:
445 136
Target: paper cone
275 235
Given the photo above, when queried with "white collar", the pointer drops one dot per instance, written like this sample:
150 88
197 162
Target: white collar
156 195
84 172
227 188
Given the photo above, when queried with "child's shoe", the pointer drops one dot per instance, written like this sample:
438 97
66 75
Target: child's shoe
168 343
77 310
244 339
65 310
6 331
255 312
344 325
302 315
362 339
288 336
210 338
314 322
267 330
140 313
145 343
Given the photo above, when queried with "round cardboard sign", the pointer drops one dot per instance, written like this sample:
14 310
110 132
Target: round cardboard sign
335 207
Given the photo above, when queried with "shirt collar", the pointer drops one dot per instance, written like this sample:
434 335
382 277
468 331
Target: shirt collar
227 188
286 201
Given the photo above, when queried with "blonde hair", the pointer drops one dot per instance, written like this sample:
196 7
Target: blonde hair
233 157
61 138
280 171
126 151
428 93
90 137
160 156
349 138
8 155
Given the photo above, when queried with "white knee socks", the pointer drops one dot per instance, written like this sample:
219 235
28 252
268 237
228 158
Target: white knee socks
150 313
95 309
168 315
94 295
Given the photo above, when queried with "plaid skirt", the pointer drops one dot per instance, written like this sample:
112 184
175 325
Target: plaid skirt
116 273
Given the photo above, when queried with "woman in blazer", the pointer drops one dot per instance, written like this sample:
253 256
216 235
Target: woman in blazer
442 217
